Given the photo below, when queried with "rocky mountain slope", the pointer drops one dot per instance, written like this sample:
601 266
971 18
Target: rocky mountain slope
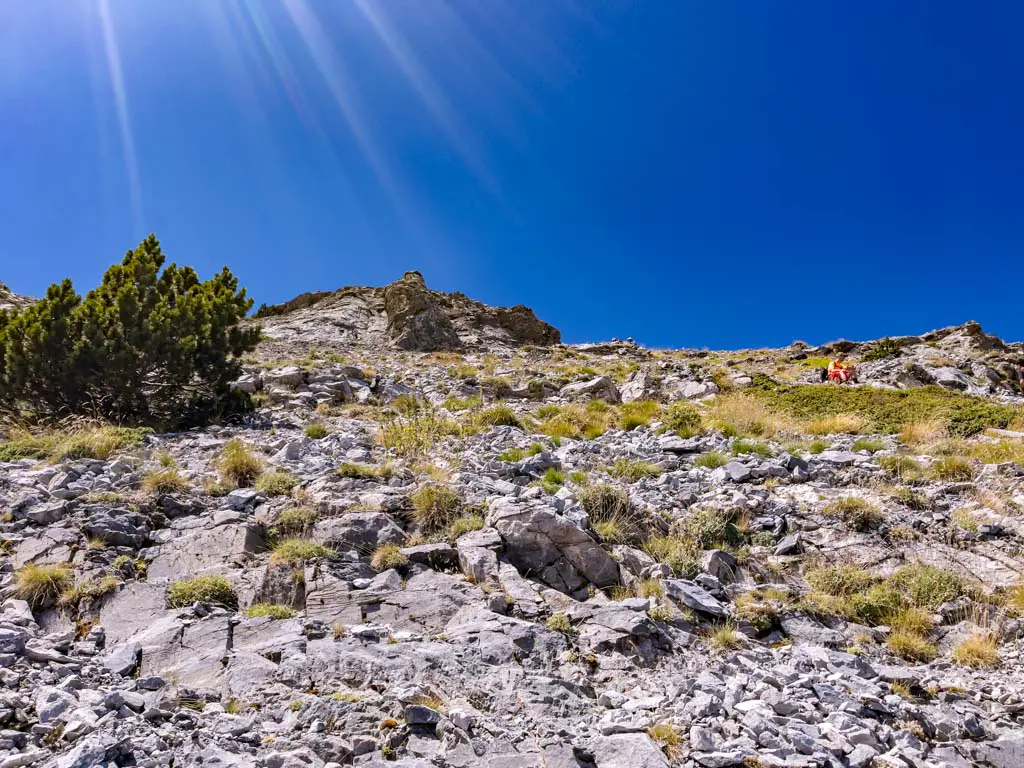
11 300
591 556
403 315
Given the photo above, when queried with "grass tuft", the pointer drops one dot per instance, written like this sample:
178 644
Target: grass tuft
41 585
202 589
435 507
388 556
274 611
980 650
164 481
239 468
276 483
952 469
295 551
858 514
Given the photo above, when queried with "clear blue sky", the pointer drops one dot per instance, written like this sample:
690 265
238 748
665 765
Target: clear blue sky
706 173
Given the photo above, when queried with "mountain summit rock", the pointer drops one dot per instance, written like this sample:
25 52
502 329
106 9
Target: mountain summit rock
404 315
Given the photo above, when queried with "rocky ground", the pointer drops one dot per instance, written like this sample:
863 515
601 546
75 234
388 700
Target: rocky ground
557 556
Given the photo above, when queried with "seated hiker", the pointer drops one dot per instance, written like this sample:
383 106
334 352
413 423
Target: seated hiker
839 371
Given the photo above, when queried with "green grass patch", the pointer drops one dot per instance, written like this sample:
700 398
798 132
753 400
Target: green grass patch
741 447
711 460
276 483
869 444
498 415
316 430
638 414
631 471
295 551
202 589
274 611
885 411
359 471
551 480
86 443
954 469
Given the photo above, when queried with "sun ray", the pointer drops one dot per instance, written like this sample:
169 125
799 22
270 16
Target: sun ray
123 117
428 92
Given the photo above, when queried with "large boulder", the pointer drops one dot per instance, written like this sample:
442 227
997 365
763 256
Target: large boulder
415 320
641 386
600 387
548 546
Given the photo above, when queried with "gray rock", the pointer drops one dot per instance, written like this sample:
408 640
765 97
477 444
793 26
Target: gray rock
362 531
791 545
601 388
627 750
414 318
53 705
550 547
721 565
737 472
417 714
692 596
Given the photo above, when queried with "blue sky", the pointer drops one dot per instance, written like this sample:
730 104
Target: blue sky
708 173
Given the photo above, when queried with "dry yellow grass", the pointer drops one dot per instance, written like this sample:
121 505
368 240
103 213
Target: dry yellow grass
743 414
921 434
840 424
979 650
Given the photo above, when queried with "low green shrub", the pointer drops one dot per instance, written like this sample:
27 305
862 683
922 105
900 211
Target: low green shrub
276 483
683 418
202 589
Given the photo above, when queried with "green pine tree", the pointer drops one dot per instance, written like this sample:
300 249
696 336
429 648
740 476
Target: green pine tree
150 345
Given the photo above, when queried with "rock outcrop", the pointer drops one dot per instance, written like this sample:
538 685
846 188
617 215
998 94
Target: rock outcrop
11 300
403 315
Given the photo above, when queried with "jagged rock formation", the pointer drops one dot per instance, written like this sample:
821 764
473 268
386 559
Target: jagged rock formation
403 315
11 300
527 559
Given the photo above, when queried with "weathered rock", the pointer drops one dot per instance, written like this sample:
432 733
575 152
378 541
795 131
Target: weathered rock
362 531
541 542
627 750
415 319
601 388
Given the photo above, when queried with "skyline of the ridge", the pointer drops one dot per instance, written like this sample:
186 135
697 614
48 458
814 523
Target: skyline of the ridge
720 175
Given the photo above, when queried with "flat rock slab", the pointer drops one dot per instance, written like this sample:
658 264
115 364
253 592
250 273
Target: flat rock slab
627 750
207 551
